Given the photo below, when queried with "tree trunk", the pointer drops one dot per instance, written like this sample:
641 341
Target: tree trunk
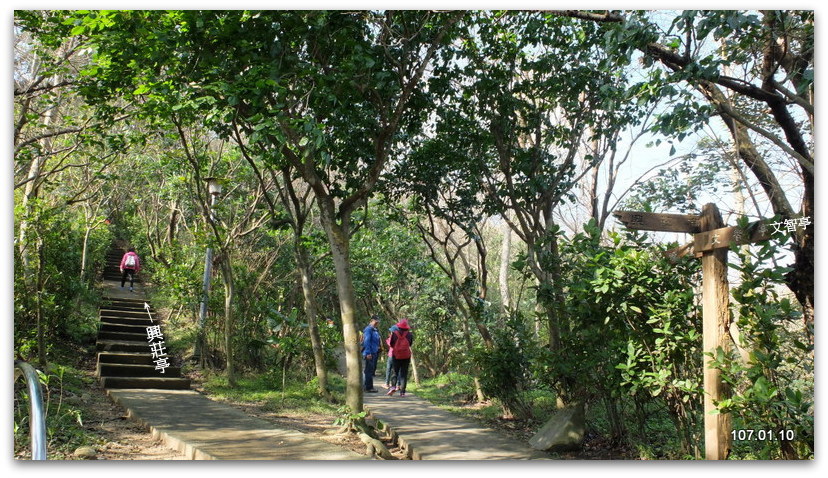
554 308
25 240
545 302
801 279
615 420
340 249
32 189
41 326
478 389
84 252
172 227
505 253
414 369
229 292
305 272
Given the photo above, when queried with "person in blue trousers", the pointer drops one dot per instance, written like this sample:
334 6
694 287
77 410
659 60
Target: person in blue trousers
370 353
390 362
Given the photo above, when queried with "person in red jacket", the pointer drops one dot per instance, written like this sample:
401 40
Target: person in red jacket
130 265
400 342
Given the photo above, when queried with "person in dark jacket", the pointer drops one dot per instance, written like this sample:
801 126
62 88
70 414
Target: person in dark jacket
401 341
370 353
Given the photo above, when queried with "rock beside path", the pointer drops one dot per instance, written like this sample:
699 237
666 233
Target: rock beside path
563 432
86 453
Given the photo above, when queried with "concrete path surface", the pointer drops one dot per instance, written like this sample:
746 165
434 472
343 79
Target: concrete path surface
427 432
206 430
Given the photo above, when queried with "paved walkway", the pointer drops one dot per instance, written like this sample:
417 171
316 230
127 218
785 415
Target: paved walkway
430 433
206 430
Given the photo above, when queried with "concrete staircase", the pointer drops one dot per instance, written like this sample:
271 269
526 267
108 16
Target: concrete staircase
124 355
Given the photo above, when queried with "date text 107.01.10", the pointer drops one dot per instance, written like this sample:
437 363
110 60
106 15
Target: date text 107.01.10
762 435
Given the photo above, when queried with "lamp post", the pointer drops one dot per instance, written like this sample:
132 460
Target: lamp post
214 187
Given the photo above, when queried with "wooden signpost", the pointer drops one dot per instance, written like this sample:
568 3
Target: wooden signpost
711 241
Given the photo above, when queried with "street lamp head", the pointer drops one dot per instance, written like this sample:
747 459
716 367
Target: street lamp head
213 185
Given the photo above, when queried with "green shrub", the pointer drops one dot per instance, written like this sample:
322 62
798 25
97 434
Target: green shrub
505 368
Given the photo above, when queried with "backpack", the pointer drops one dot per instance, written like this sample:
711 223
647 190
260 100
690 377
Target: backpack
130 261
402 348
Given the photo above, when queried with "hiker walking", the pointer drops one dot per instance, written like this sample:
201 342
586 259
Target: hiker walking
370 353
130 265
389 365
401 341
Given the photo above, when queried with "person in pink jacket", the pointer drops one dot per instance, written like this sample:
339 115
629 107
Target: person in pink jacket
130 265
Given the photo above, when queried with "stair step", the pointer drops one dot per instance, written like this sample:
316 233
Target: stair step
129 321
134 358
133 370
124 307
124 302
146 382
122 336
123 313
119 313
127 307
108 314
128 328
128 315
121 346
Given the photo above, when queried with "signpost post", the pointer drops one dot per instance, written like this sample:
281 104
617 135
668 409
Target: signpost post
711 241
716 323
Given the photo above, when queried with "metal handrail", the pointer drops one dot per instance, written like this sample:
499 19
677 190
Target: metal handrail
37 428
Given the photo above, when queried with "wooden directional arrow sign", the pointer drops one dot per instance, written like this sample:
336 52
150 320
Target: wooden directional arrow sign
727 236
650 221
677 252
